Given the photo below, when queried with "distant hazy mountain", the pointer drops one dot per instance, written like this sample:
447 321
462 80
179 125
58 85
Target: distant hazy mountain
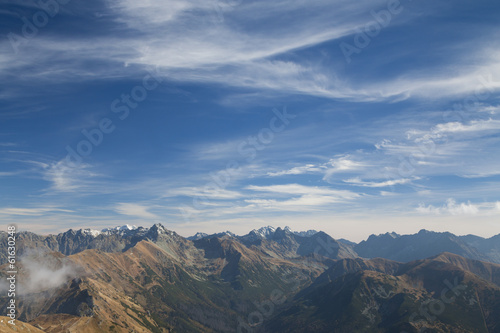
347 242
489 246
260 233
200 235
425 244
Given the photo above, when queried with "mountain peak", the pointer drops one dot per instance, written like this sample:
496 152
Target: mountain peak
264 232
198 235
122 228
91 232
307 233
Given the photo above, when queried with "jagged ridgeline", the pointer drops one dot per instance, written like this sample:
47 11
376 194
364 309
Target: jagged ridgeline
134 279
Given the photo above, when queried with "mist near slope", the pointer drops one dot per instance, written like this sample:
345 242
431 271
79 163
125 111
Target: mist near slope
41 271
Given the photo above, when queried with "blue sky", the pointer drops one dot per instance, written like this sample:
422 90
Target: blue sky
349 117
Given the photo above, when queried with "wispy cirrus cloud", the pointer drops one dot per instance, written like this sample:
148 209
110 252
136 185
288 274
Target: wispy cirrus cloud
299 170
358 182
183 41
474 127
32 211
135 210
302 190
66 178
338 164
211 190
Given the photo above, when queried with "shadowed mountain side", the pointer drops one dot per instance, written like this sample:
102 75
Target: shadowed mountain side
489 246
384 296
418 246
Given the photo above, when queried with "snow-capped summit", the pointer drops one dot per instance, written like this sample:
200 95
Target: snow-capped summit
307 233
201 235
264 232
269 231
198 235
122 228
92 232
159 229
227 233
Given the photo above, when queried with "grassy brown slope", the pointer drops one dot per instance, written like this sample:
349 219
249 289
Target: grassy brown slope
156 287
19 327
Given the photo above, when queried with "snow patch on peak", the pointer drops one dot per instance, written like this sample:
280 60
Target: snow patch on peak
269 231
125 227
91 232
128 227
264 232
160 229
198 235
307 233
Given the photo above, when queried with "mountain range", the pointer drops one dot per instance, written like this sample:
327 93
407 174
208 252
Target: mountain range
136 279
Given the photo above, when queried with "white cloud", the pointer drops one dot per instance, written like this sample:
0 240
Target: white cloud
441 130
343 164
308 168
32 211
358 182
184 42
65 178
297 189
136 210
451 207
295 197
296 203
211 190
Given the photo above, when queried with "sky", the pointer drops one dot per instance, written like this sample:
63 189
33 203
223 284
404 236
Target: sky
351 117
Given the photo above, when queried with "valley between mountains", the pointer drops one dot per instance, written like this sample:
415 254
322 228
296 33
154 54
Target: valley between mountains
131 279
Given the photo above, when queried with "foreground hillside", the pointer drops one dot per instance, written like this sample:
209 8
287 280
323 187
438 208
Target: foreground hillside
441 294
19 327
271 280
